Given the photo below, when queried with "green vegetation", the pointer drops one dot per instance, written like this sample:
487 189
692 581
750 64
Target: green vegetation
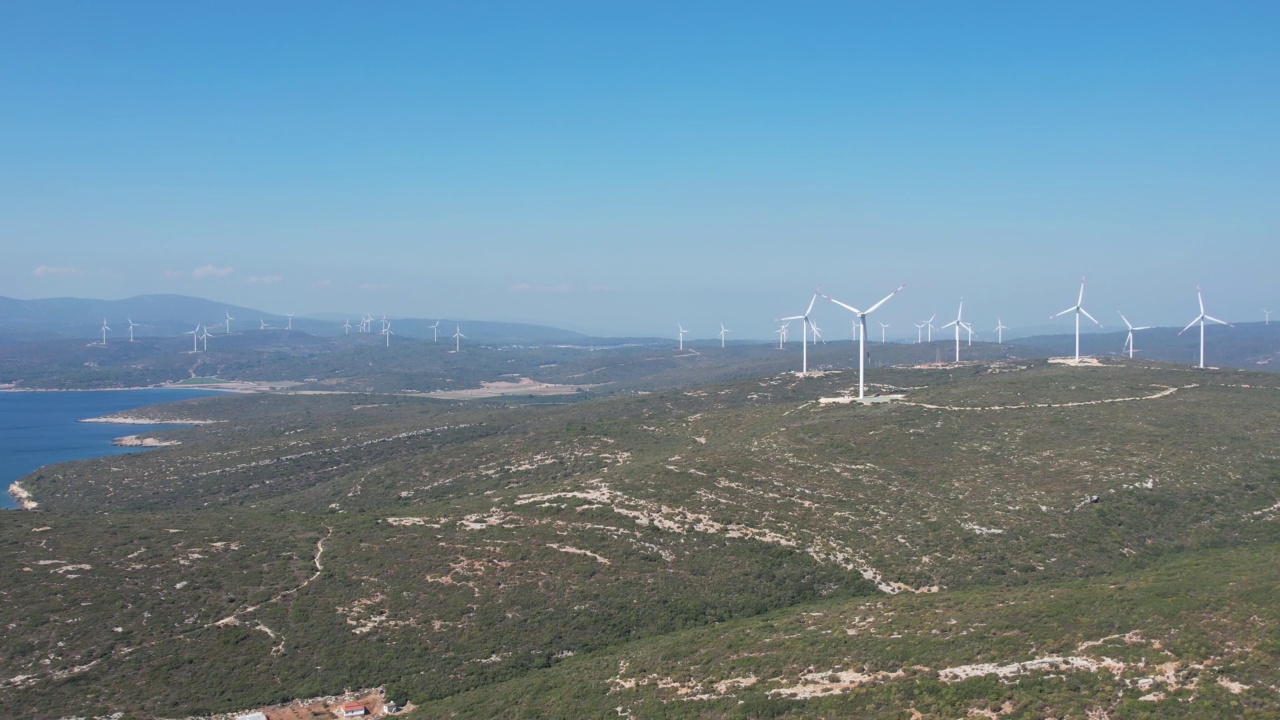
737 549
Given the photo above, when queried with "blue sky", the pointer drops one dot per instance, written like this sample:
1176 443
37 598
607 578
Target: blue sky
619 167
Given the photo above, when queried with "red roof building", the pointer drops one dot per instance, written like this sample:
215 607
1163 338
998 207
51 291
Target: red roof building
353 709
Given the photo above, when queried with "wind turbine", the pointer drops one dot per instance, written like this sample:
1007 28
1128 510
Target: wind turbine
204 337
723 332
1200 319
817 333
457 339
346 327
195 339
882 329
229 319
1128 341
929 324
1268 314
920 331
386 330
131 326
782 334
862 331
682 334
290 325
1000 328
104 332
969 327
435 332
804 332
958 322
262 324
1079 310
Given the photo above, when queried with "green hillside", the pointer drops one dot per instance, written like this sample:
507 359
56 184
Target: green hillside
629 554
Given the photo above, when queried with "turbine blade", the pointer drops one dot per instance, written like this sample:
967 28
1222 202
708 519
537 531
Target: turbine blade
1086 314
953 322
812 300
1080 300
1064 312
850 308
1190 325
885 300
1200 297
1210 318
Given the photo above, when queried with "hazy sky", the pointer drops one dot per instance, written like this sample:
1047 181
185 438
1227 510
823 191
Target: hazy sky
619 167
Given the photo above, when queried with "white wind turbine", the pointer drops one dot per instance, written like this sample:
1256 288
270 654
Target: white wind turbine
1000 328
435 332
919 332
386 330
195 339
346 327
1268 314
229 319
817 333
723 331
862 331
204 337
782 334
104 331
929 325
969 327
262 324
1079 310
958 323
883 326
131 327
1200 319
1128 341
289 326
804 333
682 334
457 339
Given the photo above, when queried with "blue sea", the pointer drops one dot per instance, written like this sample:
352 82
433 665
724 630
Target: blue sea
40 428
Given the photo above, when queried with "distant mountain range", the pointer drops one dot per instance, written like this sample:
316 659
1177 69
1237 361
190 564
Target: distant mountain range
170 315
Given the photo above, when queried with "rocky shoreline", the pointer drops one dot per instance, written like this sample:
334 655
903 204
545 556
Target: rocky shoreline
18 493
134 420
135 441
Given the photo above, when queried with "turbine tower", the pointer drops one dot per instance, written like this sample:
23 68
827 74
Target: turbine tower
204 338
1079 310
883 326
289 326
782 334
386 330
229 319
1268 314
1200 319
1128 341
1000 328
195 339
804 332
682 334
457 339
958 323
862 332
131 326
346 327
919 332
435 332
104 332
723 331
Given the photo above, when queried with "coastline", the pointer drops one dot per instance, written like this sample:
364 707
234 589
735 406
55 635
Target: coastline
135 420
20 494
135 441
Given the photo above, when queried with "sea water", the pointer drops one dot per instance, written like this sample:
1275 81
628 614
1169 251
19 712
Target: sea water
41 428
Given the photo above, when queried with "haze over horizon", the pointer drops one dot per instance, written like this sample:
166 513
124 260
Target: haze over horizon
621 169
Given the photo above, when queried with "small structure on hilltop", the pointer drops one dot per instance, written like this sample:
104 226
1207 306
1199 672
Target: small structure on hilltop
252 716
352 709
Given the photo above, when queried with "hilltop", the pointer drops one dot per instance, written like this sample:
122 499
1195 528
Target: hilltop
738 548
